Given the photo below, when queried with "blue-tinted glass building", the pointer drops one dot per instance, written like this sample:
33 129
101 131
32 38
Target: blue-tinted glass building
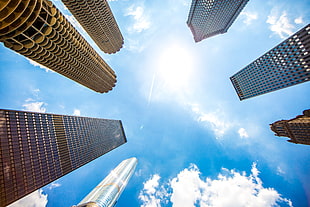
285 65
211 17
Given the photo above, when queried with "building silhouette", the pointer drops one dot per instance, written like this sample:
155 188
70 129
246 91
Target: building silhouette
285 65
37 30
108 190
208 17
38 148
297 129
98 21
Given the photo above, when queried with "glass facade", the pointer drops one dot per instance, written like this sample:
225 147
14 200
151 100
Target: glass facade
109 189
285 65
211 17
38 148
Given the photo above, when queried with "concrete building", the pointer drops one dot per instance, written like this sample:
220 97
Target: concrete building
38 148
98 21
297 129
37 30
108 190
285 65
208 17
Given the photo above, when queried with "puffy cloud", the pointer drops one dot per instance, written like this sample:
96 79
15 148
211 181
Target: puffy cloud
249 17
35 199
243 133
39 65
280 25
141 19
148 195
230 188
77 112
299 20
53 185
35 106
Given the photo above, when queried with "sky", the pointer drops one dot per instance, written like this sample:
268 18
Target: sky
196 143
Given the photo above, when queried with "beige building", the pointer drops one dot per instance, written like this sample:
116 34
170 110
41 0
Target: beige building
298 129
98 21
37 30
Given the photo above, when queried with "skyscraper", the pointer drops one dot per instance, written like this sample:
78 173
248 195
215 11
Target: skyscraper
297 129
38 148
285 65
37 30
209 17
98 21
108 190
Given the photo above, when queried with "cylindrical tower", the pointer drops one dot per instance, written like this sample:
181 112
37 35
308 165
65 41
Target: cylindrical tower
108 191
37 30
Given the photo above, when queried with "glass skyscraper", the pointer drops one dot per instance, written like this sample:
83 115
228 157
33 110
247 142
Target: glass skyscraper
285 65
38 148
108 190
211 17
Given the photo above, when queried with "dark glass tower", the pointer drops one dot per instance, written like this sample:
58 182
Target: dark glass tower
38 148
297 129
211 17
285 65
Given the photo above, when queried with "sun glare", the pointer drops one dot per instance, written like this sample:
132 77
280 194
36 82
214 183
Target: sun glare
175 67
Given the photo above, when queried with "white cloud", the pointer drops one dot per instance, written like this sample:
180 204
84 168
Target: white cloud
249 17
35 199
77 112
299 20
215 120
39 65
280 171
243 133
35 107
280 25
230 188
141 19
53 185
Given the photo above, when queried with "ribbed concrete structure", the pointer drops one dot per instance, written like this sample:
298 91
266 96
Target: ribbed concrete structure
98 21
38 148
37 30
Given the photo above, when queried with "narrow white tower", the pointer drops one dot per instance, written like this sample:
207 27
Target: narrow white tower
108 191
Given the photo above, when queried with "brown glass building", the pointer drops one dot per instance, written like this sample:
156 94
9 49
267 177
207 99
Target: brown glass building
297 129
98 21
37 30
38 148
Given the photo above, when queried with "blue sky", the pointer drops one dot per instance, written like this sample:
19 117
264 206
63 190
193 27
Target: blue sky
196 143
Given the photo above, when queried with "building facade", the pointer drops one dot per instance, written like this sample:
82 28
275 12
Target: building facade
98 21
297 129
37 30
108 190
38 148
285 65
209 17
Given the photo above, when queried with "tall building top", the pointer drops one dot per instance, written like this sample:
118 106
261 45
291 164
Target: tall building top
98 21
38 148
211 17
297 129
285 65
108 190
38 30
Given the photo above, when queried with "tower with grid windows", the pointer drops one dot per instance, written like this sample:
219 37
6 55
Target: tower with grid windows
285 65
98 21
297 129
38 148
212 17
37 30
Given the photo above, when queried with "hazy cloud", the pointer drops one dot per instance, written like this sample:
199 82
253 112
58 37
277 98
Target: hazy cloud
53 185
230 188
77 112
35 106
299 20
243 133
141 19
35 199
280 25
249 17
